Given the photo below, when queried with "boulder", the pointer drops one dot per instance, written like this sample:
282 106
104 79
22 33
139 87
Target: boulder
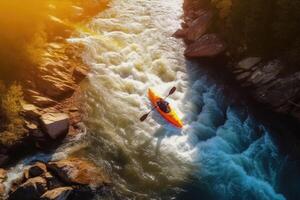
209 45
77 171
199 26
30 190
35 170
248 63
61 193
56 125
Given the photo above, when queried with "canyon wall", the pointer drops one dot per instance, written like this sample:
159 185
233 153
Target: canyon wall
259 42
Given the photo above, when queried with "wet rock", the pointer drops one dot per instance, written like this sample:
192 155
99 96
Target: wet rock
180 33
248 63
268 85
30 190
199 26
61 193
209 45
56 125
3 176
266 73
35 170
77 171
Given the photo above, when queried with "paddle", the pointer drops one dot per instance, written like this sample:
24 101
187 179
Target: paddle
146 115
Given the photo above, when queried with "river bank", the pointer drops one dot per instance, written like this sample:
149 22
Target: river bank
52 110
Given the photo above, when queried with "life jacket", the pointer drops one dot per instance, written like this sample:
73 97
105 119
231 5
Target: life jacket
164 106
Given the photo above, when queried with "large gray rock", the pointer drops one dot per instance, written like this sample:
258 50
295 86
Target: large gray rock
56 125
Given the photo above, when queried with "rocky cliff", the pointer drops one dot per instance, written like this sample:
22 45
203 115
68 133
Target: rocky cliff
265 67
50 73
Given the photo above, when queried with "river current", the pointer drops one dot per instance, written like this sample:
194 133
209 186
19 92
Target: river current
222 152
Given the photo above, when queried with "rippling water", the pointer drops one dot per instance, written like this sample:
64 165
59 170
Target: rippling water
221 153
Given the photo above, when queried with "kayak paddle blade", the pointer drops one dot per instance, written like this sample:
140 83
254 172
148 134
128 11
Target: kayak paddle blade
172 90
144 117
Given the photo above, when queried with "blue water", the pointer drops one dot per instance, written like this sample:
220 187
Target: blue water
236 156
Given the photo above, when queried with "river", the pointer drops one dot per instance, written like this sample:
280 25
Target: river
222 152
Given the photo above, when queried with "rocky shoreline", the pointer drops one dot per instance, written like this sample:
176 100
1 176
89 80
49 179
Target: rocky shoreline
265 80
72 178
52 112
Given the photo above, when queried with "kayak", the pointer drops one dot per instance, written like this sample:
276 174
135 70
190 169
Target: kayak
171 116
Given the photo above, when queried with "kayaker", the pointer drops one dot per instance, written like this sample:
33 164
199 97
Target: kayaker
163 105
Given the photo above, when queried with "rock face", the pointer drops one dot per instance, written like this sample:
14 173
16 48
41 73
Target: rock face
199 26
267 81
35 170
76 171
195 32
72 178
209 45
269 85
56 125
59 69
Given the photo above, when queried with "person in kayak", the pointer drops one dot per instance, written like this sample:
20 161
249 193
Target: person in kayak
163 105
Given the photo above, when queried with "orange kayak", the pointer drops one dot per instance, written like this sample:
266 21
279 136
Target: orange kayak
171 117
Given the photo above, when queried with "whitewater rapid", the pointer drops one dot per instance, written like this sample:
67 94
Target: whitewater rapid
221 153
